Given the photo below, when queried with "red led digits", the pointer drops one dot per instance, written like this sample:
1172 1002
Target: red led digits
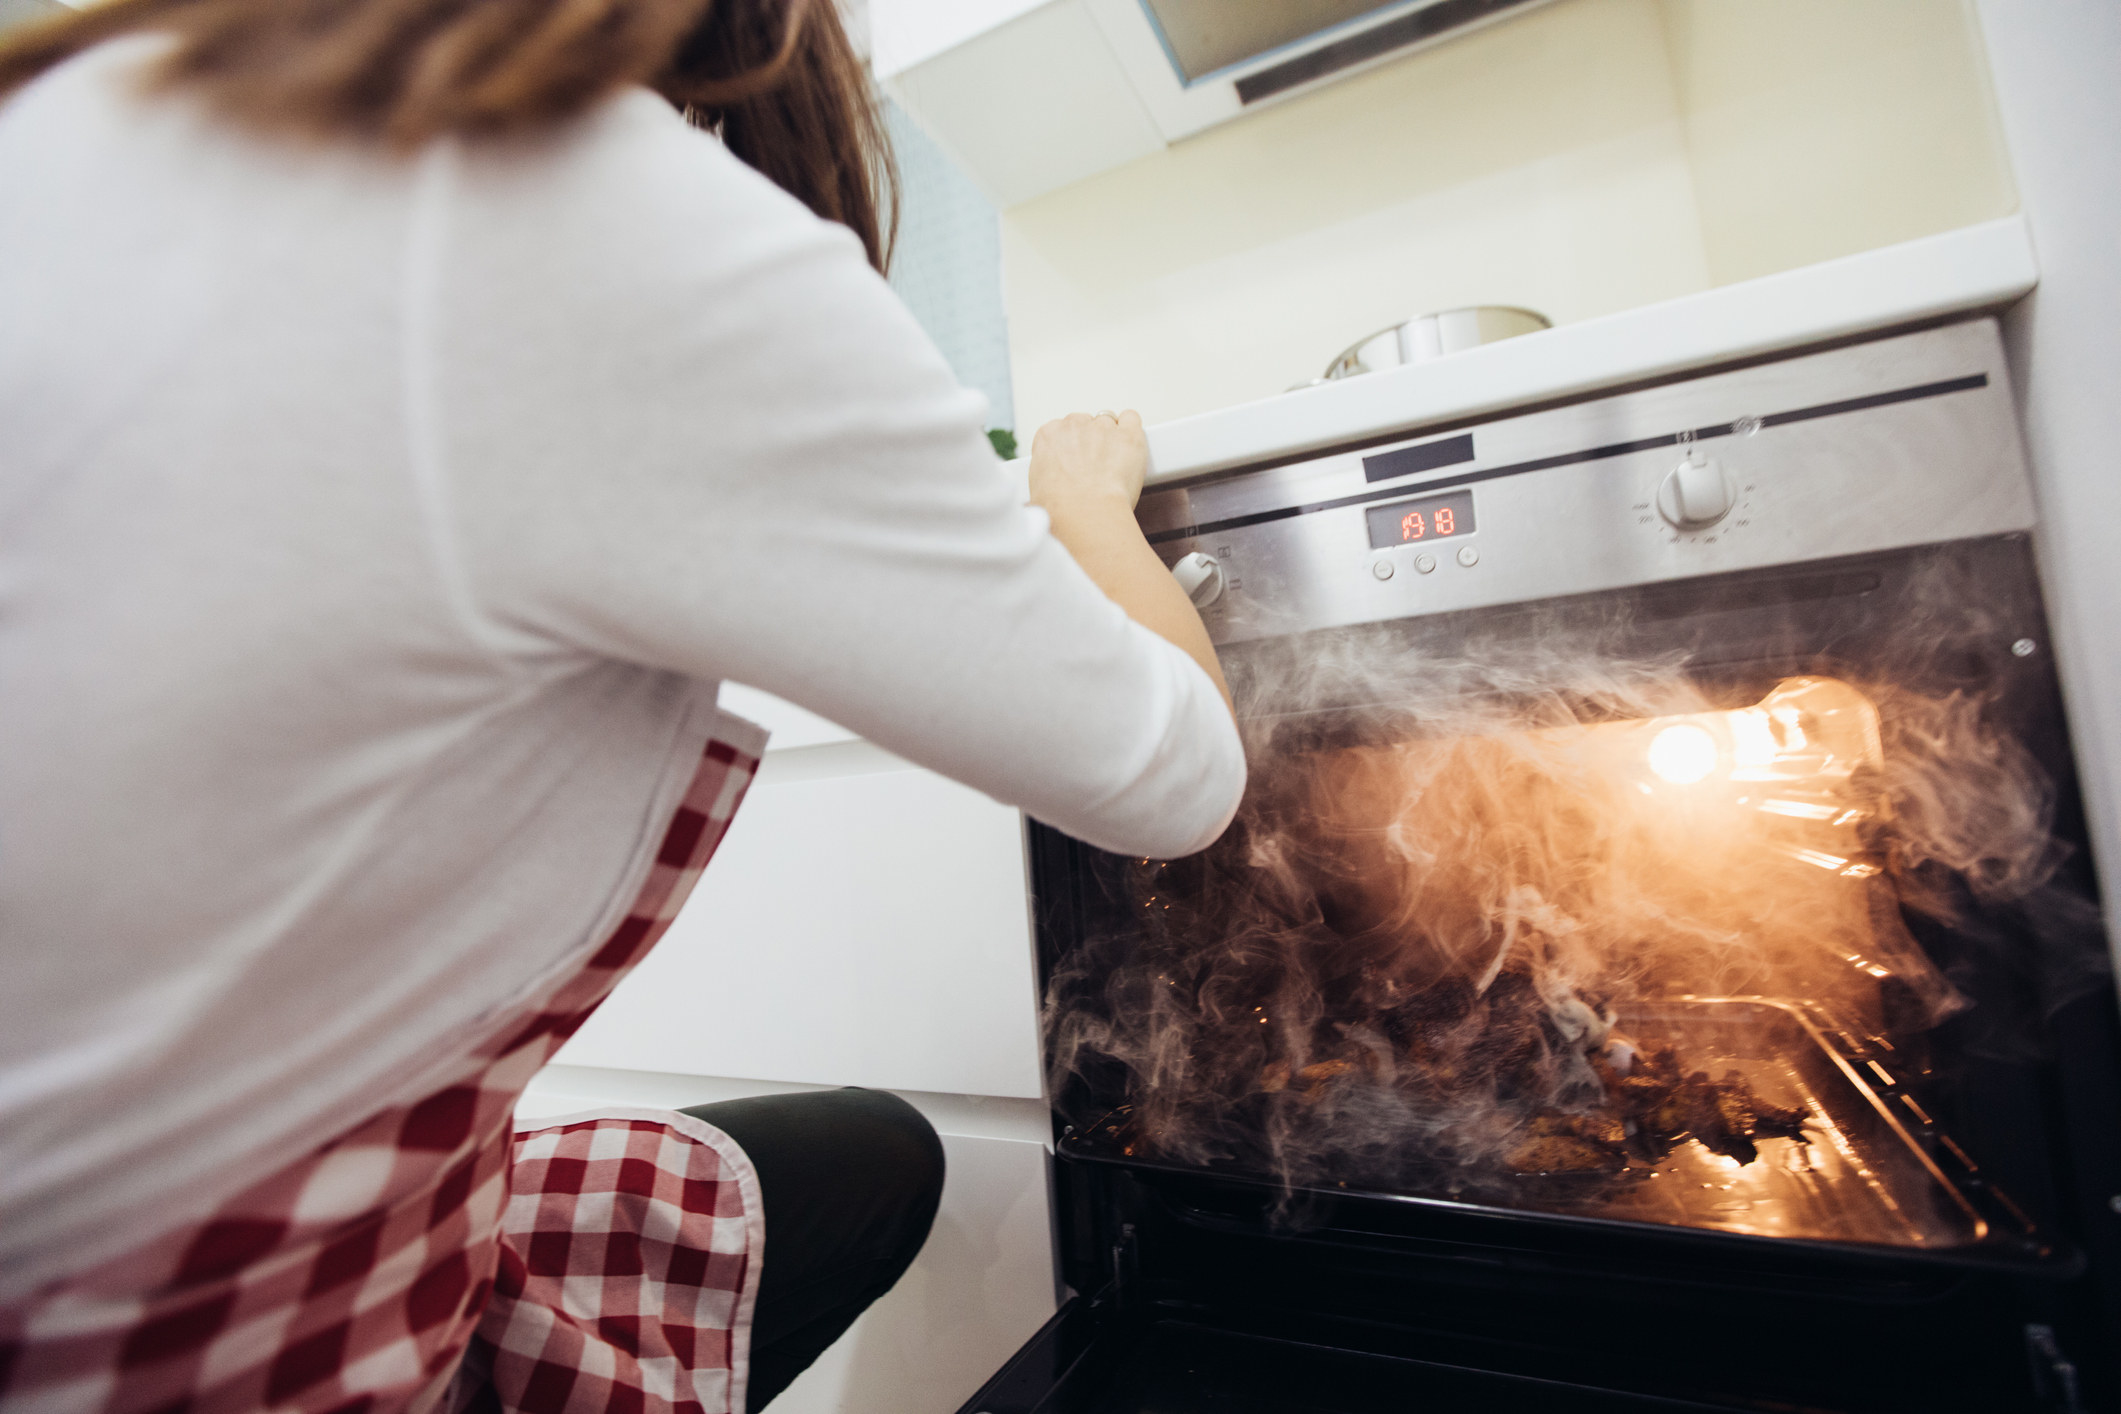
1413 522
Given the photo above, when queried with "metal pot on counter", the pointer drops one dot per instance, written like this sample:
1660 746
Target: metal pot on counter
1431 336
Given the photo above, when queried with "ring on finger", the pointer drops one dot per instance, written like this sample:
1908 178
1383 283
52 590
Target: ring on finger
1107 413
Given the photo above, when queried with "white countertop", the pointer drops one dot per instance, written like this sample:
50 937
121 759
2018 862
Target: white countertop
1976 267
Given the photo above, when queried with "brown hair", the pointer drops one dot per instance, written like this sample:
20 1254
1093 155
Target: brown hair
777 79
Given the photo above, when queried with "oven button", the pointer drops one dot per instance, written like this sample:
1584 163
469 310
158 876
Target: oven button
1425 562
1695 493
1468 556
1201 576
1382 569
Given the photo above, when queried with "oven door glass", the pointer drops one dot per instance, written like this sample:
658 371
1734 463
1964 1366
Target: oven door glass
1692 908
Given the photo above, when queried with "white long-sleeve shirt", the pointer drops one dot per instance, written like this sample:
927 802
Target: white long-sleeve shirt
373 534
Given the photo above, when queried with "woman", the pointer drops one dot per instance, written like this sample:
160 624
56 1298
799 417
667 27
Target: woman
407 419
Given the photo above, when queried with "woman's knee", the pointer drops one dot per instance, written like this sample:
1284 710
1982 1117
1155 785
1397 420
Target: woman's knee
841 1172
906 1150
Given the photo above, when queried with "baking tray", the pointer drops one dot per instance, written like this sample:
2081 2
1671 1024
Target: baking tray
1862 1177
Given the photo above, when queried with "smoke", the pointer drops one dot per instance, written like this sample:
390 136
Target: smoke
1454 874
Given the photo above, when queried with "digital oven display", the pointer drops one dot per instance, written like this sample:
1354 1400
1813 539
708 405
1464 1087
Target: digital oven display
1430 518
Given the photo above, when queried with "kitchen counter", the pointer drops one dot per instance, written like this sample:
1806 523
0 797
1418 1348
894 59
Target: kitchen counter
1974 268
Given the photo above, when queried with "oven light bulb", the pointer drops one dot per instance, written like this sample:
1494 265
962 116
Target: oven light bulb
1683 754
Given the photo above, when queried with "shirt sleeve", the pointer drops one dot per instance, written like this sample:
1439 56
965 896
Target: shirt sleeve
683 424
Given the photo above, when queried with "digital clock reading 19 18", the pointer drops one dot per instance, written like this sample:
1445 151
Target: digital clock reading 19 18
1430 518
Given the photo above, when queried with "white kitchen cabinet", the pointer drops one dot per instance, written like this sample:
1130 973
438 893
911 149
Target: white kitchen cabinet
903 33
864 923
792 726
1031 105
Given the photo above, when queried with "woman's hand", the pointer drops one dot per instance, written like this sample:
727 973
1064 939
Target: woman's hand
1086 474
1099 459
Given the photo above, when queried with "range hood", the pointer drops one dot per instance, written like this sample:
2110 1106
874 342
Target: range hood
1263 51
1053 93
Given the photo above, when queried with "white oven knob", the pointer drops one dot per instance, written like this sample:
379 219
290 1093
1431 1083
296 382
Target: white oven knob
1201 576
1695 494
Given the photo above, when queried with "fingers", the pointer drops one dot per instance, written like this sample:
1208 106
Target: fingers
1090 434
1094 454
1128 418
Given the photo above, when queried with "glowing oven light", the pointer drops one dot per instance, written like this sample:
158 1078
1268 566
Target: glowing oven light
1683 753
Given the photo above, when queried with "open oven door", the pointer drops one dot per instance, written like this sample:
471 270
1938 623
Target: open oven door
1092 1358
1203 1295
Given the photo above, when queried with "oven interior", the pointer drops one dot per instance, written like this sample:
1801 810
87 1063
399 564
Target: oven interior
1683 997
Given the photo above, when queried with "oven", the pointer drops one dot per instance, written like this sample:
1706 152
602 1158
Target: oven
1657 964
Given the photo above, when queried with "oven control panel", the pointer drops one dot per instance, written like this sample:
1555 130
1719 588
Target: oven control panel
1907 440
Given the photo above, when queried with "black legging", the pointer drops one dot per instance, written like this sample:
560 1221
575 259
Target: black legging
849 1180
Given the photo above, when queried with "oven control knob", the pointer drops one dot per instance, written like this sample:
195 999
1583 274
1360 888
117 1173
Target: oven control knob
1695 494
1201 576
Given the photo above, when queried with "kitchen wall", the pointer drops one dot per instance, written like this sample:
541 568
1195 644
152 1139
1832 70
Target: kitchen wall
1590 156
946 263
2056 67
1818 128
